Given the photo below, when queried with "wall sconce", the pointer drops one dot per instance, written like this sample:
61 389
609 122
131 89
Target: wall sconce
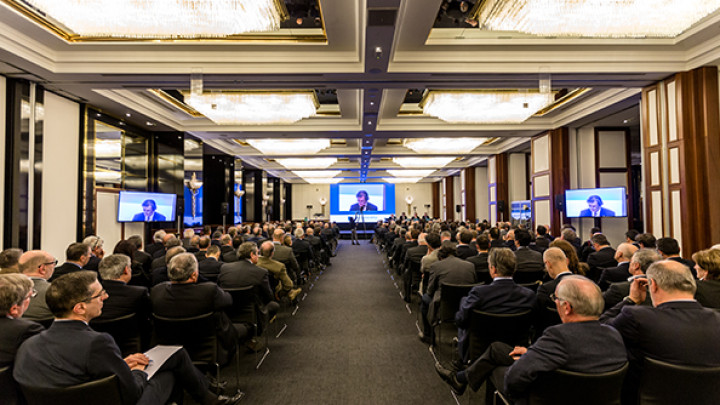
409 200
323 201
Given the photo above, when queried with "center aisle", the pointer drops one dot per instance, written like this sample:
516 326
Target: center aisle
351 341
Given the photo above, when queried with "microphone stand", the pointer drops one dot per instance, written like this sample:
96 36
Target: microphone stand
362 217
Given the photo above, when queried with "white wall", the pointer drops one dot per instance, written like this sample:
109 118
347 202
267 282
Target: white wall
517 178
457 197
309 194
3 92
421 193
61 145
481 192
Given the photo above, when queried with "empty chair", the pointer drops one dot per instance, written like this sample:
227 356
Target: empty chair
563 387
664 384
104 391
527 277
125 330
486 328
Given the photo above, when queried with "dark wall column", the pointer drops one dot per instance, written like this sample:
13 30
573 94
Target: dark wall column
252 200
218 178
288 200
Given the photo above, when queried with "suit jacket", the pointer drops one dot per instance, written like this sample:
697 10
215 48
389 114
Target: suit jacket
466 251
154 247
302 250
156 216
502 296
687 262
71 353
617 292
542 243
158 262
12 333
285 255
242 274
38 309
428 261
278 271
210 268
450 270
144 259
225 249
527 259
124 299
604 257
544 291
415 254
604 212
200 255
482 269
708 293
229 257
368 207
587 347
614 275
497 243
92 264
65 268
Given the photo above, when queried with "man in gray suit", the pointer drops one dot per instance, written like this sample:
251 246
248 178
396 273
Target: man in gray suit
285 255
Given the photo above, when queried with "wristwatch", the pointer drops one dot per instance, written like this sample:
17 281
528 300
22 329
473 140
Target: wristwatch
629 301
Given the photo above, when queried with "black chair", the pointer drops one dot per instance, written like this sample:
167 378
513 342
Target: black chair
411 279
527 277
533 286
247 309
46 323
450 297
125 330
9 389
546 317
104 391
486 328
563 387
665 383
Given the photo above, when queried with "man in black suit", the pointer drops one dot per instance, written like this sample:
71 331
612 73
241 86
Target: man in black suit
77 256
480 261
579 344
464 248
141 256
184 297
15 293
413 257
203 246
604 256
542 242
160 274
595 208
640 262
557 267
96 250
448 269
210 267
587 246
161 260
362 202
158 238
303 252
502 296
669 249
39 266
677 329
495 239
526 259
226 246
71 353
621 272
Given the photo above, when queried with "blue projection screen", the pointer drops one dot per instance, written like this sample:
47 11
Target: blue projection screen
346 200
600 202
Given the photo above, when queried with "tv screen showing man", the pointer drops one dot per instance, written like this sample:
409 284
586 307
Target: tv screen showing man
362 202
149 214
595 208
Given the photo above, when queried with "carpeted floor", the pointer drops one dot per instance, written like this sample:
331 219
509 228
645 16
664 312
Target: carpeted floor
352 341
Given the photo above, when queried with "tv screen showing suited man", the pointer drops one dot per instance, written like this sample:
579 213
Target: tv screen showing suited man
596 202
134 206
361 197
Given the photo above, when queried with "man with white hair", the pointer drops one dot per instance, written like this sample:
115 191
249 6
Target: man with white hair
96 249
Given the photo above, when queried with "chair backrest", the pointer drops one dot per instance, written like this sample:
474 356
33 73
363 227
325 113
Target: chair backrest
665 383
533 286
245 307
563 387
9 390
104 391
450 296
527 277
125 330
196 334
486 328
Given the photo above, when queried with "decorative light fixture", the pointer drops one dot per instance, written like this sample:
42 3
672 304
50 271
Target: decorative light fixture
593 18
323 180
255 107
316 173
194 186
322 201
169 19
443 145
410 173
409 200
289 146
307 163
484 106
401 179
412 162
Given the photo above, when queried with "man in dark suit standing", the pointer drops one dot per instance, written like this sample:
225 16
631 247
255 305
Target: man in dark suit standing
621 272
183 297
579 344
602 257
15 293
71 353
676 330
210 267
640 262
77 256
502 296
526 259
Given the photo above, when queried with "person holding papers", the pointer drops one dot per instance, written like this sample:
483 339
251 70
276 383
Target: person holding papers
71 353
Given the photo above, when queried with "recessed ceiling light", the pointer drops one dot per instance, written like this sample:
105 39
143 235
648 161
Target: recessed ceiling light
150 124
128 115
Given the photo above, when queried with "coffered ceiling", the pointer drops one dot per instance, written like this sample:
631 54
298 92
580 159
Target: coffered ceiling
367 53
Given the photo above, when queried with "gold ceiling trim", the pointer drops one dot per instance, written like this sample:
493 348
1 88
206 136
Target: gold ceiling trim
573 94
67 35
175 103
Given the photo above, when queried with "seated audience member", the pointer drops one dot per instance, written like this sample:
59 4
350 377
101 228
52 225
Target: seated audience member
203 246
9 260
495 239
676 329
320 250
96 250
158 238
568 234
556 264
71 353
542 241
210 267
15 293
160 260
480 261
603 256
39 266
77 256
621 272
129 249
587 246
464 247
414 255
284 284
194 245
669 249
141 256
580 343
123 299
646 241
216 237
502 296
160 274
574 264
640 262
448 269
184 297
226 246
284 254
707 266
526 259
630 236
187 236
303 252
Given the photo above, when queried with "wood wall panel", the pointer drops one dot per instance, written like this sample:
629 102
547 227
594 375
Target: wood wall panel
470 191
550 159
436 199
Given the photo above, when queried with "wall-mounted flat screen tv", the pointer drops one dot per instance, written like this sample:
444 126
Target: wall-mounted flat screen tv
140 206
596 202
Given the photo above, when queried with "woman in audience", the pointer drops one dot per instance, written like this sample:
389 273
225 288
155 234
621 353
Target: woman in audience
574 264
707 265
127 248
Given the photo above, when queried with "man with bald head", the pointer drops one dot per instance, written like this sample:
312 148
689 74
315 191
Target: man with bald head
277 269
621 272
676 329
556 264
580 343
39 266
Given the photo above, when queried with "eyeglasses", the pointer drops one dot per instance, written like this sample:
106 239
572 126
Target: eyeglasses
556 298
54 263
98 295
